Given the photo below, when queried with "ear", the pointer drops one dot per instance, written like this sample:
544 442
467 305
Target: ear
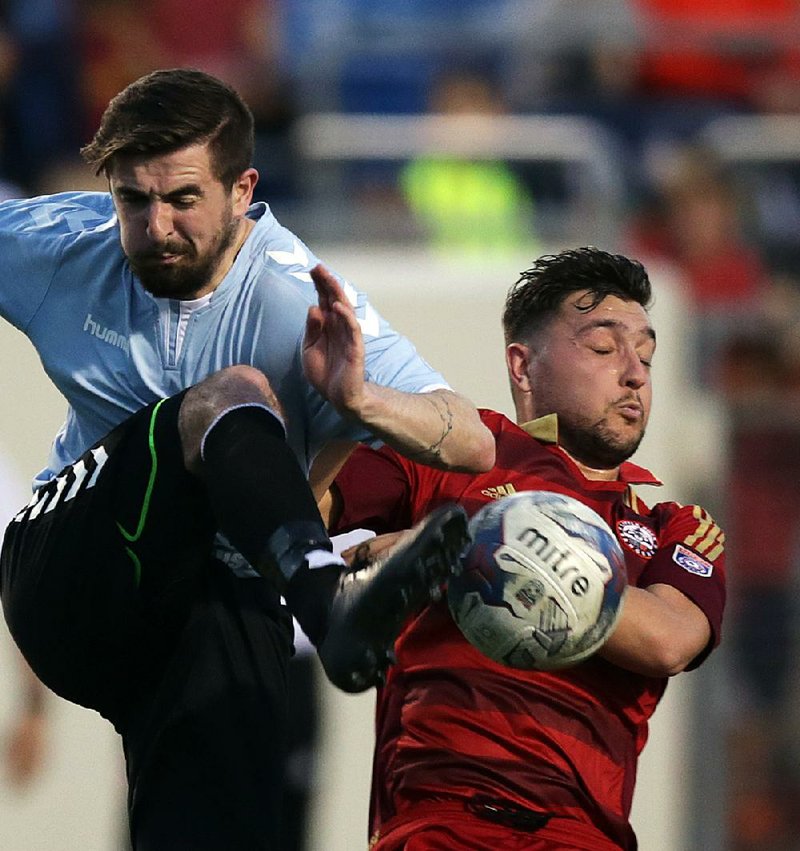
517 360
242 192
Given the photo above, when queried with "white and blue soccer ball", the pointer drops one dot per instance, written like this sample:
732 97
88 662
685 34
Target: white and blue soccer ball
542 584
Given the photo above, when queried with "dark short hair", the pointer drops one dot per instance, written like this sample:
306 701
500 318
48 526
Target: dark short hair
541 290
169 109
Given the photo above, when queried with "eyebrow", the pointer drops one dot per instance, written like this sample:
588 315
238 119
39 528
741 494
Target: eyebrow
614 324
188 189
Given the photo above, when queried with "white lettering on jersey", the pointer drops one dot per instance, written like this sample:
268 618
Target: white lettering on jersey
107 335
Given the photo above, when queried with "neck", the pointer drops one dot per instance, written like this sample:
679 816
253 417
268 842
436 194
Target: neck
596 474
245 226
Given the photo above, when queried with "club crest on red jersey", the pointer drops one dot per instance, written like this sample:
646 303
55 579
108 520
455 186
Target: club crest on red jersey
637 537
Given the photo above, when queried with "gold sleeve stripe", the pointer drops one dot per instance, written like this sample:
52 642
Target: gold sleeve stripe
706 534
715 553
704 523
710 540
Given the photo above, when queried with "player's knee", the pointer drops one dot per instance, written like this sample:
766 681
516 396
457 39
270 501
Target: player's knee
206 401
234 385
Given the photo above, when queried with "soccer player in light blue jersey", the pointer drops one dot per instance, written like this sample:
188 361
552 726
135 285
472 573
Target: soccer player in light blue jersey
217 376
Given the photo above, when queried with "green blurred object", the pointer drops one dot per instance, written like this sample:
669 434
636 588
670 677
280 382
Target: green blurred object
480 206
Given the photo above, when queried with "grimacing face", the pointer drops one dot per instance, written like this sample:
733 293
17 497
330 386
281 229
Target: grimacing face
592 369
179 225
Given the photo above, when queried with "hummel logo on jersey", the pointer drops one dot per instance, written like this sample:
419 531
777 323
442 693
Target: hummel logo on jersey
366 316
75 218
296 257
107 335
499 491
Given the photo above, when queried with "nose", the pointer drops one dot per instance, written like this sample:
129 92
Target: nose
159 220
635 374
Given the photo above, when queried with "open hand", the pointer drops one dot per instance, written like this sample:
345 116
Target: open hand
333 347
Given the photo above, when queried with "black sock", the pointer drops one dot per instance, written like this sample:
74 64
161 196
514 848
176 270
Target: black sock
259 494
265 507
308 595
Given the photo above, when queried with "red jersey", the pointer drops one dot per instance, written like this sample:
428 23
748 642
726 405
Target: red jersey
451 723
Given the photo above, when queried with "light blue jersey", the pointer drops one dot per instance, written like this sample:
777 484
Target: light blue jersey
111 348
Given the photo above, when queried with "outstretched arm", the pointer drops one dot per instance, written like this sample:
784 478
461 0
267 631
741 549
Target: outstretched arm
660 631
440 427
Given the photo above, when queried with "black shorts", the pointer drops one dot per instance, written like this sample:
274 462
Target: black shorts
111 591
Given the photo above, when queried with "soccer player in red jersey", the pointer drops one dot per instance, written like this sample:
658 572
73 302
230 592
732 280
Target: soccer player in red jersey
473 755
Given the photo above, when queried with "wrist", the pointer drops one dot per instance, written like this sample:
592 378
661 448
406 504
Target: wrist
364 406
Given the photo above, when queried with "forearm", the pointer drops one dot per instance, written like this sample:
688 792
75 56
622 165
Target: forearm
439 428
324 469
660 631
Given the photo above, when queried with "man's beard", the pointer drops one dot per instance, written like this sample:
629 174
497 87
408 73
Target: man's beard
191 274
595 445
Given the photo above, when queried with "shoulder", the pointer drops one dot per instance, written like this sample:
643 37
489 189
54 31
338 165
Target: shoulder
495 421
689 551
65 213
689 514
285 260
280 255
675 522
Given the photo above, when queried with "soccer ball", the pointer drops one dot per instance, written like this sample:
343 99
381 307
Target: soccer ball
542 583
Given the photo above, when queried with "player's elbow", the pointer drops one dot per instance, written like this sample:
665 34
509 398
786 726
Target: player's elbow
474 452
661 632
467 445
484 451
677 641
654 652
669 658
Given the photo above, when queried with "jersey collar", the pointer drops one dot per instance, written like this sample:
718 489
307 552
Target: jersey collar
545 429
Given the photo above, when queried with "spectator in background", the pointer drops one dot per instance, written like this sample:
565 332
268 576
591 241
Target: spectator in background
468 205
574 57
118 44
655 72
742 54
553 48
122 40
693 223
241 44
40 115
760 380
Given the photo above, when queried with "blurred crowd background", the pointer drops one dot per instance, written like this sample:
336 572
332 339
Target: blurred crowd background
665 129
